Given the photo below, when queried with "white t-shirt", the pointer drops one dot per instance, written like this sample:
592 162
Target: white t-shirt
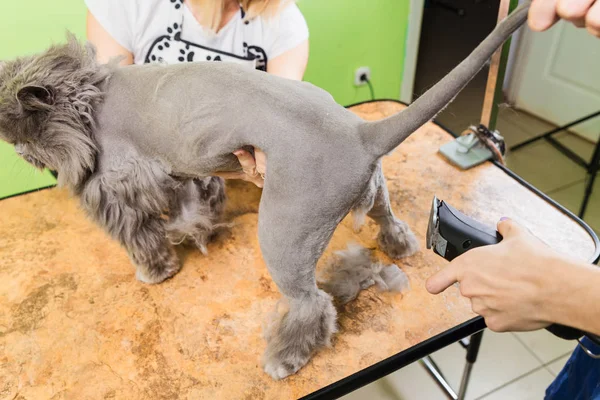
167 31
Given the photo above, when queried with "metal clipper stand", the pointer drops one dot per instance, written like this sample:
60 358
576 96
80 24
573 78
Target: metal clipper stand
494 144
591 167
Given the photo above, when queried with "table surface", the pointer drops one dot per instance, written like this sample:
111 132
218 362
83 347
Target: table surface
74 323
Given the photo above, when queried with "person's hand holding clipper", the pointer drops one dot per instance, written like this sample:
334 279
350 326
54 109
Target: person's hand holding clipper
521 284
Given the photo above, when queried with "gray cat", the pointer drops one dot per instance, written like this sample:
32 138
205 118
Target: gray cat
139 144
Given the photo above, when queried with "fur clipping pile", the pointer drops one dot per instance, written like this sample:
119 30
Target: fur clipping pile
353 270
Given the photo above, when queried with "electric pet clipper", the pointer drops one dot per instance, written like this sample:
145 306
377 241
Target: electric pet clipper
450 233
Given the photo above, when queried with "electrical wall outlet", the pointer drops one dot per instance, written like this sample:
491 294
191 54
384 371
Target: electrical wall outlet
360 72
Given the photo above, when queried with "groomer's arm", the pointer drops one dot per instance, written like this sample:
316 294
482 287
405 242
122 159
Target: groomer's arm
106 46
291 64
521 284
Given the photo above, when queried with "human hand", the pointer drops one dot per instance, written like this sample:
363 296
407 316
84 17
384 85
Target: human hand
253 168
582 13
509 284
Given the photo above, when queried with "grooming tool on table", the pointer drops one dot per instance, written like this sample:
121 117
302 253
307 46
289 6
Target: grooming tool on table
475 145
450 233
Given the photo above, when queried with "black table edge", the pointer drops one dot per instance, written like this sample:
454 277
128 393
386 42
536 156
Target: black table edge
10 196
398 361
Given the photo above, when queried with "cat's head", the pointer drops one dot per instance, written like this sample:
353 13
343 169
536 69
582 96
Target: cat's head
47 105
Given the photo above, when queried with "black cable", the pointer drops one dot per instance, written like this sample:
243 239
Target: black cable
365 78
371 89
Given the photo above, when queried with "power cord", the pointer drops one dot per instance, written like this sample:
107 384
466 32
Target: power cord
363 78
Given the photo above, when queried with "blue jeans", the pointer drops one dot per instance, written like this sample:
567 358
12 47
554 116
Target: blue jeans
580 377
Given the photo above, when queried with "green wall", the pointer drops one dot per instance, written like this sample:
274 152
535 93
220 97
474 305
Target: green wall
344 36
28 26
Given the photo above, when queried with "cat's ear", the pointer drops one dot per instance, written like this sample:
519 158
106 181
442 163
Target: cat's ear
36 98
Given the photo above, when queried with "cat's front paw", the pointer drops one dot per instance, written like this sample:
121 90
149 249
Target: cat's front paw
155 276
279 369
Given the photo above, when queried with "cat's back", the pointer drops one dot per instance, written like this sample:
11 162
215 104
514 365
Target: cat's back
213 82
151 99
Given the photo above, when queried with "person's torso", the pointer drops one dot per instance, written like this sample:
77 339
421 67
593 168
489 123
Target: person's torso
170 34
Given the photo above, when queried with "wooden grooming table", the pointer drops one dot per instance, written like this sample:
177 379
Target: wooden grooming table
75 324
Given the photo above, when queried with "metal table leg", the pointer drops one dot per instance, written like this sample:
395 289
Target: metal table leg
472 351
591 178
438 377
591 167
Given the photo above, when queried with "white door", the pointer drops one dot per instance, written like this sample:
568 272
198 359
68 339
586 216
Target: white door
557 77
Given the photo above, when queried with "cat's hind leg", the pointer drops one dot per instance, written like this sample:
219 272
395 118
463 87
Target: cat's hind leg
395 237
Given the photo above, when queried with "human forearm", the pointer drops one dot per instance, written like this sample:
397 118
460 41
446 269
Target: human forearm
574 297
290 64
106 46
